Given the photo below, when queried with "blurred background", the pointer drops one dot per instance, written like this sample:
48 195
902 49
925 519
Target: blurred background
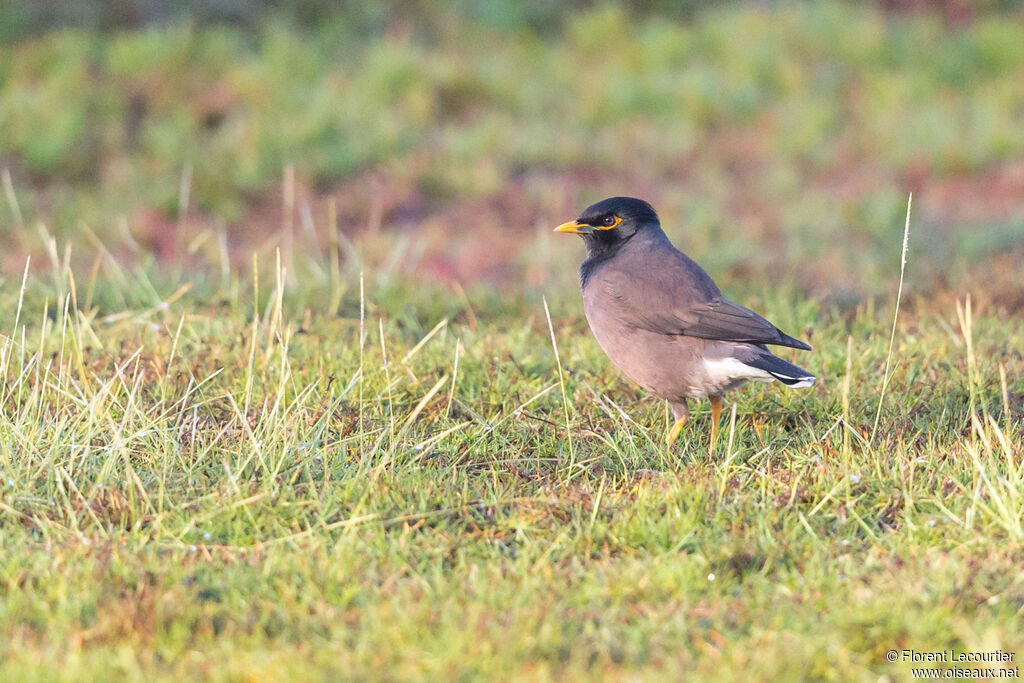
442 141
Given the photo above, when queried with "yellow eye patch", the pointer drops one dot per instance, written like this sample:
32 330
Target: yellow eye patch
602 226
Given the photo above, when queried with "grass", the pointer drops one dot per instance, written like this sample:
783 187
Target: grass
811 135
295 382
230 482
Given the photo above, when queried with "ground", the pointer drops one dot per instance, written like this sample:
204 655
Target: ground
323 423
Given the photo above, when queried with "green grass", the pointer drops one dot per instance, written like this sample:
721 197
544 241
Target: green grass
819 117
279 396
213 483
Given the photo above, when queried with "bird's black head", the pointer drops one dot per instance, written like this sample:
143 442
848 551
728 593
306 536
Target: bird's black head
611 222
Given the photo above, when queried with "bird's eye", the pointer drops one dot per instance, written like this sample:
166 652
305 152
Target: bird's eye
608 220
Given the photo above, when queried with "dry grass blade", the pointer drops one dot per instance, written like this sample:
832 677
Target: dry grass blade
561 384
895 320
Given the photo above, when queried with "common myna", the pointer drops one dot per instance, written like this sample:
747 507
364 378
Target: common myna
663 321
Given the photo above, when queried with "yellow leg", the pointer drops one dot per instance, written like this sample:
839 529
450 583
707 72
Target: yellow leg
716 412
673 433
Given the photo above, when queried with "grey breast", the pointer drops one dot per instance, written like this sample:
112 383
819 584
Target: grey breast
669 366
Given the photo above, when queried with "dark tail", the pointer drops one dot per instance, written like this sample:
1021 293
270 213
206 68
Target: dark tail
784 371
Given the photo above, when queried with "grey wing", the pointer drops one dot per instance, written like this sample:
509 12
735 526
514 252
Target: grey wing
678 297
727 321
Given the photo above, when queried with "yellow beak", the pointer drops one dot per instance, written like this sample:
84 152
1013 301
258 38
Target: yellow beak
578 228
575 227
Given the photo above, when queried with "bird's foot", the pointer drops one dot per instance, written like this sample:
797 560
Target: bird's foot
680 411
673 433
716 413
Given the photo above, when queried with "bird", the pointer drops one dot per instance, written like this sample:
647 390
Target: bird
663 321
